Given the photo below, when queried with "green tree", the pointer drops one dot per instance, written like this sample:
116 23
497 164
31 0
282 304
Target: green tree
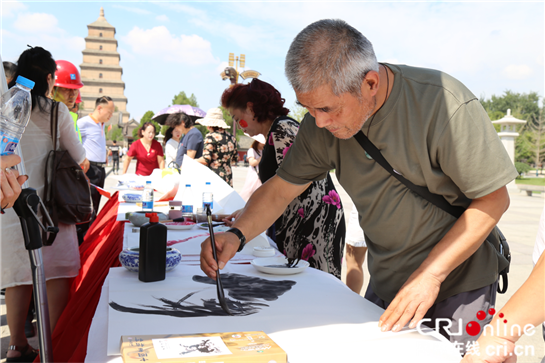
182 99
116 133
522 168
146 118
524 106
297 112
532 143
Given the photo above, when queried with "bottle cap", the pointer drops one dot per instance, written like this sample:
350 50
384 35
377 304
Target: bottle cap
187 185
148 182
25 82
153 218
207 183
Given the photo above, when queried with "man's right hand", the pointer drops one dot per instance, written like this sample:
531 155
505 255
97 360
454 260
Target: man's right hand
266 204
227 245
85 165
10 180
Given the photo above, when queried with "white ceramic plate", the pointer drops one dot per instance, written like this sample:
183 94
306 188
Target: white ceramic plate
218 228
277 266
178 225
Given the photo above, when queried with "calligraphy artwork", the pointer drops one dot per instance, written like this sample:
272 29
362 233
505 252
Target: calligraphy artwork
245 295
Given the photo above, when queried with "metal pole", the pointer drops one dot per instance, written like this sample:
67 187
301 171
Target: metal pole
33 244
26 208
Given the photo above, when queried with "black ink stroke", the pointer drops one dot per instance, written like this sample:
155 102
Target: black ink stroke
246 292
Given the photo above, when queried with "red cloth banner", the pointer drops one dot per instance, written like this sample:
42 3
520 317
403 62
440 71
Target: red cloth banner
98 252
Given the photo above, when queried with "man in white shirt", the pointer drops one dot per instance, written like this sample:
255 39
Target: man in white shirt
93 139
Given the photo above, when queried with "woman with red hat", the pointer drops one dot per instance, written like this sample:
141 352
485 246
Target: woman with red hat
67 85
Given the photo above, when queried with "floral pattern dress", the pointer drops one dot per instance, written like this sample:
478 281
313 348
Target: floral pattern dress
312 226
219 151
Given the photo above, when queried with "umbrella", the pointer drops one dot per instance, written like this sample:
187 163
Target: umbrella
191 111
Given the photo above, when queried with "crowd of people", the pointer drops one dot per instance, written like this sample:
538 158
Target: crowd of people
423 262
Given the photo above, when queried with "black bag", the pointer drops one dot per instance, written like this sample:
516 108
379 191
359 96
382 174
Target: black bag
495 238
67 195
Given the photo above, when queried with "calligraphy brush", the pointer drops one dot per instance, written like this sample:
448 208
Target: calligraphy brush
219 287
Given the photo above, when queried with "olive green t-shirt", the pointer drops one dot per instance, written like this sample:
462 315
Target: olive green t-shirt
434 132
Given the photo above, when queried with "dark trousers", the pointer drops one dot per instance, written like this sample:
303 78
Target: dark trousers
464 306
115 164
97 176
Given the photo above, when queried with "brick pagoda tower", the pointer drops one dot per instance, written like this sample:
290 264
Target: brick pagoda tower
100 70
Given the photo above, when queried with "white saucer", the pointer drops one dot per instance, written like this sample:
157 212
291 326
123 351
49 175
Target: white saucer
264 265
177 226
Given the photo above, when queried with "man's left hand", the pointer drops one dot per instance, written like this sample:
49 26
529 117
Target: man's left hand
412 302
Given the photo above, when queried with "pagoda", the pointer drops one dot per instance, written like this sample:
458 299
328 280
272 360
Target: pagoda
101 72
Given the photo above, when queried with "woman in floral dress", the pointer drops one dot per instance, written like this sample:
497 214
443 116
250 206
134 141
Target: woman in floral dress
312 226
220 147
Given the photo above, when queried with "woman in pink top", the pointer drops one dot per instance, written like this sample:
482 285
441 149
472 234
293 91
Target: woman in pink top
147 151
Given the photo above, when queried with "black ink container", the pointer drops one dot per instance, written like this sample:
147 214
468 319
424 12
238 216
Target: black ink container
153 250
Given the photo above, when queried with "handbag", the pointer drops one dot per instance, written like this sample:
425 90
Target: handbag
496 238
67 192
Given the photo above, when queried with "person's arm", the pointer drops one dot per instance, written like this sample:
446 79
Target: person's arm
418 294
202 161
69 139
191 153
264 207
526 308
10 180
126 163
253 161
160 156
252 157
208 149
194 142
85 165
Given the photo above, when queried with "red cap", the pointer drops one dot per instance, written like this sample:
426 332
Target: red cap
152 217
67 75
78 99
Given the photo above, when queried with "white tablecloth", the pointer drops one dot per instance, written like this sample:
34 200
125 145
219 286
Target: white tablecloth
318 320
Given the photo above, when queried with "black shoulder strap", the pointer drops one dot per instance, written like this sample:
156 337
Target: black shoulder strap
49 179
424 192
53 122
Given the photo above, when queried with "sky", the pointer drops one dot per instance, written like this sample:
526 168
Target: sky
173 46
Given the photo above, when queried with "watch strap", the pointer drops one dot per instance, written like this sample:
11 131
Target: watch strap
240 236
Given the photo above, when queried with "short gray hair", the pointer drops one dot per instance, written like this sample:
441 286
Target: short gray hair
330 52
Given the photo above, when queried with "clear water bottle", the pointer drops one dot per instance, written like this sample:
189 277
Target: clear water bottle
187 200
16 106
207 197
147 197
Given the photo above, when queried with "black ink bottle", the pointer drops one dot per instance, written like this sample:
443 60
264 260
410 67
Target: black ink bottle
153 250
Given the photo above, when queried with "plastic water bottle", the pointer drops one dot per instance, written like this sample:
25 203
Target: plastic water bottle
16 106
147 197
187 200
207 197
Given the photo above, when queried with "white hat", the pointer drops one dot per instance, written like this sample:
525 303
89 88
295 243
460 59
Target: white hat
213 118
259 138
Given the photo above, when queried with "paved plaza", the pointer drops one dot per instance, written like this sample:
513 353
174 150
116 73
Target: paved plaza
519 224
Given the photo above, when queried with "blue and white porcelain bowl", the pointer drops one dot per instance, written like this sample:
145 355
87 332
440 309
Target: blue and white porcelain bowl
132 197
129 258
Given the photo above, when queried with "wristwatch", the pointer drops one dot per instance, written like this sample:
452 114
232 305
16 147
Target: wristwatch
240 236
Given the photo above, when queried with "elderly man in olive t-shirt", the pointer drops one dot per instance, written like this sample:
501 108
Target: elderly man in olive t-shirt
422 261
